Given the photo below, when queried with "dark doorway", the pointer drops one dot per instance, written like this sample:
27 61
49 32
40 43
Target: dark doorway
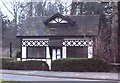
55 53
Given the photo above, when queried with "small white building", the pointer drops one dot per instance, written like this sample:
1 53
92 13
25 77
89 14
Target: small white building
48 38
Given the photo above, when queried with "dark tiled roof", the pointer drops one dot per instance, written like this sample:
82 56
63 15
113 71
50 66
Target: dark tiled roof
85 25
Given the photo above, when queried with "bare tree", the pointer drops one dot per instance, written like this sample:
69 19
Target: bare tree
102 46
114 37
48 8
15 10
73 8
30 12
118 58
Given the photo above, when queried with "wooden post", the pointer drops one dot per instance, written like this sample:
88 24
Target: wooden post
10 49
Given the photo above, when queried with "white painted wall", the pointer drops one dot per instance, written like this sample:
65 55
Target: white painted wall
53 54
24 49
49 63
18 59
47 52
58 54
64 52
90 51
24 60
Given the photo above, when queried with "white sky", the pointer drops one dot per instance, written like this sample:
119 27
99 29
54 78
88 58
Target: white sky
5 11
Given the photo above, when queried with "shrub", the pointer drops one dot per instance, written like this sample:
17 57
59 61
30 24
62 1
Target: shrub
78 65
7 59
115 67
24 65
5 62
13 81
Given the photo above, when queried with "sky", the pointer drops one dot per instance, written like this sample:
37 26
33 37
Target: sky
5 11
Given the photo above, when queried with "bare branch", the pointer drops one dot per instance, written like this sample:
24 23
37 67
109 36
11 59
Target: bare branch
23 8
7 8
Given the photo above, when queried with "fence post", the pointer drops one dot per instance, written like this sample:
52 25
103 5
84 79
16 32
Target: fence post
10 49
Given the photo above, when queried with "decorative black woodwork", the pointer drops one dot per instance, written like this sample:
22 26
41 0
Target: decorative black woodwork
34 43
57 42
59 20
77 43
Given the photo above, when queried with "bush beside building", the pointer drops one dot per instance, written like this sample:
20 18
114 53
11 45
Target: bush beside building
80 65
67 65
12 64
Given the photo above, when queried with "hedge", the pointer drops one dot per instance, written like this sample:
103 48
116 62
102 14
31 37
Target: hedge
116 67
80 65
5 61
24 65
14 82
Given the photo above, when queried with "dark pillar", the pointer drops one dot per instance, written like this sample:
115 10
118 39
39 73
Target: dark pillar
10 49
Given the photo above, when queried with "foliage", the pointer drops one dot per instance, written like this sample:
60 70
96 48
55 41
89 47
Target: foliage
23 65
4 19
5 60
80 65
102 42
21 10
104 9
14 82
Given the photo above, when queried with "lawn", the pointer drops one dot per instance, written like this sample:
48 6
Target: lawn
12 82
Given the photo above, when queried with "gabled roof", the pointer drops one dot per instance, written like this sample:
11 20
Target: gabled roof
63 18
84 25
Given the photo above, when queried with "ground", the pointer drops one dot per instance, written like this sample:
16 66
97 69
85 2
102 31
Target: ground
97 77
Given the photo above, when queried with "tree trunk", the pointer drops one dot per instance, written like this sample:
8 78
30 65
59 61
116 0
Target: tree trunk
73 8
114 37
31 9
118 58
81 8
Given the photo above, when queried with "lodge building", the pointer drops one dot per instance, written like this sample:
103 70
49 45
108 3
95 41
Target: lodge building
49 38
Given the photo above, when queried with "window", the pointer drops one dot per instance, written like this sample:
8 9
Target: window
36 52
58 20
77 52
